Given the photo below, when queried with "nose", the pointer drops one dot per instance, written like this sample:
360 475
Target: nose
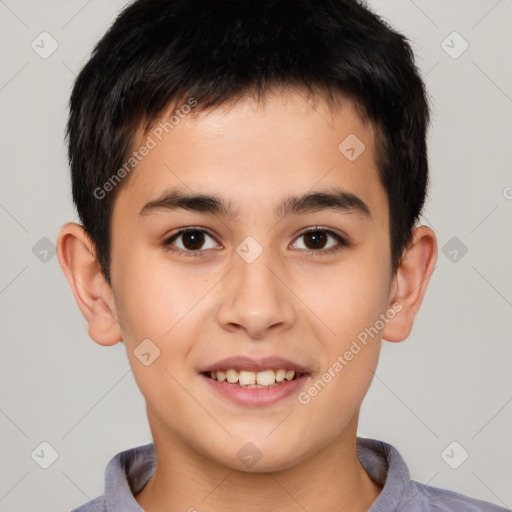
256 299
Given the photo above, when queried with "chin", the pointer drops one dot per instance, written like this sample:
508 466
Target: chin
260 455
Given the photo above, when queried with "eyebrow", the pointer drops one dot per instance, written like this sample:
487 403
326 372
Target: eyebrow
331 199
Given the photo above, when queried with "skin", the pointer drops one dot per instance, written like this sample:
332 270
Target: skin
288 302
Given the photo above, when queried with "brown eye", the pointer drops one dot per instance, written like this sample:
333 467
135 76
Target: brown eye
189 242
315 241
193 240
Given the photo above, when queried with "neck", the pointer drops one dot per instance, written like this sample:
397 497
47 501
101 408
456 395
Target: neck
332 479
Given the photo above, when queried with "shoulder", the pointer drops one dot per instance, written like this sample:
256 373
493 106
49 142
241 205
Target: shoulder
385 465
444 500
125 476
95 505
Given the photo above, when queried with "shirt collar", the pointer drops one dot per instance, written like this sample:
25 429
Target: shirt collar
129 471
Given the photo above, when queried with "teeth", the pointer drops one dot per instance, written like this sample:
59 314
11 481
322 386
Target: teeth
280 374
232 376
246 378
254 380
266 377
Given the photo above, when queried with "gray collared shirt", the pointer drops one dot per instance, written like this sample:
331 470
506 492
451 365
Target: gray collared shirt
129 471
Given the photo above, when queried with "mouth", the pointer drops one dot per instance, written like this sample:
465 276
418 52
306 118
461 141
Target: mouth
252 382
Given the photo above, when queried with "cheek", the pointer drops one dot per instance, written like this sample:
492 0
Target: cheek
350 355
152 297
156 314
348 298
349 301
158 302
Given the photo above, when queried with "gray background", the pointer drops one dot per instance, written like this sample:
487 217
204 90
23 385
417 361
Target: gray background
450 381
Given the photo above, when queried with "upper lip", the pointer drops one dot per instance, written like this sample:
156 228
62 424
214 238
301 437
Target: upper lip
254 364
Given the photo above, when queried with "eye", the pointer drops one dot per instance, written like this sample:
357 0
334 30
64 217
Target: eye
316 238
192 240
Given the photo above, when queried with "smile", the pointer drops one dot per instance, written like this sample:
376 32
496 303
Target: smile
254 380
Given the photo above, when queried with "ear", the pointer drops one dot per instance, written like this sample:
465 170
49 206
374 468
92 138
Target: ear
410 283
92 293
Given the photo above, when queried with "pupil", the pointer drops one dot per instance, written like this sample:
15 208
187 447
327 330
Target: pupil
195 237
316 237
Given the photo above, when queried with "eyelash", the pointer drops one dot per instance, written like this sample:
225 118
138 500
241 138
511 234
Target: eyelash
342 242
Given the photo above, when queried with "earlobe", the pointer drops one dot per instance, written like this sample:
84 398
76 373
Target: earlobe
92 293
410 283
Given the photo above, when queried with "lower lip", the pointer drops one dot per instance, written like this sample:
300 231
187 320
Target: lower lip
255 396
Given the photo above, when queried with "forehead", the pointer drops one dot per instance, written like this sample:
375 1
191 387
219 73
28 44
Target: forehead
257 152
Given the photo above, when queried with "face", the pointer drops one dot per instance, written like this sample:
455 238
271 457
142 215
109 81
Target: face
278 284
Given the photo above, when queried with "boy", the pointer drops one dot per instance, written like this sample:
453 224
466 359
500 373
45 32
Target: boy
249 175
